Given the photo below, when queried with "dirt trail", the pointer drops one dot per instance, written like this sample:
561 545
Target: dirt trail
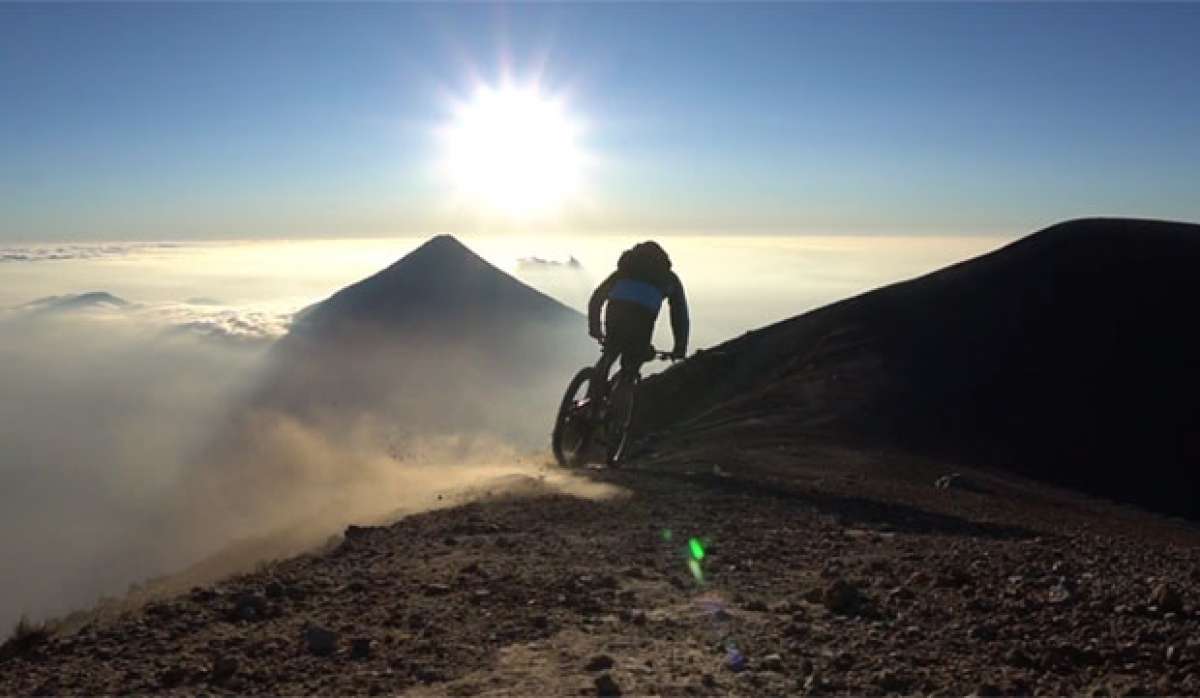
834 580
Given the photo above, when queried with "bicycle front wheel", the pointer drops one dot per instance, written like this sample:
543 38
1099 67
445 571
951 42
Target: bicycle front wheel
573 426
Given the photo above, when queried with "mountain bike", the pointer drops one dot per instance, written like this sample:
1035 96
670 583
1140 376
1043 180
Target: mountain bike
584 419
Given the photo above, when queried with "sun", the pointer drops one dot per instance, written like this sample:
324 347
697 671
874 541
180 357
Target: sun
513 151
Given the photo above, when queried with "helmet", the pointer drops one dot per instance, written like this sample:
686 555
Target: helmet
645 260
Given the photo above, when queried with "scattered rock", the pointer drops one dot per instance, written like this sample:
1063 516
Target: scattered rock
772 662
606 685
600 662
320 641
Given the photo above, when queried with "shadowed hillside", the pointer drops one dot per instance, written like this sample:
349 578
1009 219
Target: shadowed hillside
1071 355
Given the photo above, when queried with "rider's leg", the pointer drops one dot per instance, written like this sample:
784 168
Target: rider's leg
599 384
637 349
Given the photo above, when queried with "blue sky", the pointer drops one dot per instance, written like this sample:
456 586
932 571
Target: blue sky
214 121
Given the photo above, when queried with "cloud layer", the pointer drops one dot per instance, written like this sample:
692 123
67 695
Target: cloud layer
52 253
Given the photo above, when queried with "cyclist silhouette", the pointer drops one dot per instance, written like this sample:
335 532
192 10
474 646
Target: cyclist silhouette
631 297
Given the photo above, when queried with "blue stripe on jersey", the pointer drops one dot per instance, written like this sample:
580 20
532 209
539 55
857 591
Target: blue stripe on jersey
639 292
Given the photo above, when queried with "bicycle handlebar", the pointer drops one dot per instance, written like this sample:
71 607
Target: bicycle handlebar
655 355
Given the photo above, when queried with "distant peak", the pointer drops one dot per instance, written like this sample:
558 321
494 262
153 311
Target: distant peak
443 240
77 301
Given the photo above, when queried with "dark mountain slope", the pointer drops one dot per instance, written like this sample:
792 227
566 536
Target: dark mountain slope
1071 355
440 340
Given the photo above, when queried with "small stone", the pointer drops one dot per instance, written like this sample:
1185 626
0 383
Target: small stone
600 662
223 669
918 579
736 661
172 677
320 641
1059 594
353 532
843 598
360 648
985 689
203 595
813 683
946 482
843 661
249 607
1167 598
889 681
772 662
606 685
1016 657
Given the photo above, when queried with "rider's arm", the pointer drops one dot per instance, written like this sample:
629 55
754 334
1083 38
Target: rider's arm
680 324
596 303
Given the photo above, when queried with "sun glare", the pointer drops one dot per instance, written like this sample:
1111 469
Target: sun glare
513 151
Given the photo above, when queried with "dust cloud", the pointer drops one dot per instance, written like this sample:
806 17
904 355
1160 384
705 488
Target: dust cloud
132 451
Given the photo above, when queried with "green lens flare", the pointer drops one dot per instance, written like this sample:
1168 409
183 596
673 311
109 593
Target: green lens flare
694 566
697 549
666 534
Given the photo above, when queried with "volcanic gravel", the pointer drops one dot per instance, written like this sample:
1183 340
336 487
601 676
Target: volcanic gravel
843 583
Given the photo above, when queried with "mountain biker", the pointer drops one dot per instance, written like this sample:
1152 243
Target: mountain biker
634 294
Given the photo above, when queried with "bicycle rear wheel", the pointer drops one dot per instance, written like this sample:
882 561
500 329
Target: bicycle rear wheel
573 426
619 417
